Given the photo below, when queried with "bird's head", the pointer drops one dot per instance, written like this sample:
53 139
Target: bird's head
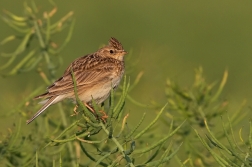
114 50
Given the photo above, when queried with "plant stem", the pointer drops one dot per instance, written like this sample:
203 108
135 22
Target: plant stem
118 145
43 47
69 145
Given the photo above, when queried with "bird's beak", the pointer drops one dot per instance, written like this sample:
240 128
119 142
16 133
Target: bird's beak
124 52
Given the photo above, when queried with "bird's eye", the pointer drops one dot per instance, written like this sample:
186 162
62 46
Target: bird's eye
111 51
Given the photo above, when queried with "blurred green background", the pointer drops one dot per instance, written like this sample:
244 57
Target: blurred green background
168 39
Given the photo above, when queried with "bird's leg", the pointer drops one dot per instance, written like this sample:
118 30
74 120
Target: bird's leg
75 110
103 117
90 108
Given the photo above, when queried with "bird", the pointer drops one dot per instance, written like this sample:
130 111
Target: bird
95 74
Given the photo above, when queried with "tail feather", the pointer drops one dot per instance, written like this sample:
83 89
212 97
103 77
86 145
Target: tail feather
45 95
43 108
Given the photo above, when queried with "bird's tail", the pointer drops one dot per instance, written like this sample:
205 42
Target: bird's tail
43 108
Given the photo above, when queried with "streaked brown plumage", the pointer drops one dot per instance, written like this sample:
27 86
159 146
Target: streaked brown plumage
95 75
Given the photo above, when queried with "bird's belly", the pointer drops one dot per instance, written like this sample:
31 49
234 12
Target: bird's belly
99 92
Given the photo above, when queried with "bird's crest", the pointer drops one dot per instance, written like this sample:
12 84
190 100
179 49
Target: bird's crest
115 43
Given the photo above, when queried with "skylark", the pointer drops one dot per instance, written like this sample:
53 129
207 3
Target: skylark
96 74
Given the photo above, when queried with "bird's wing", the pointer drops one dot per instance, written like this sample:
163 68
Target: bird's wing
85 78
